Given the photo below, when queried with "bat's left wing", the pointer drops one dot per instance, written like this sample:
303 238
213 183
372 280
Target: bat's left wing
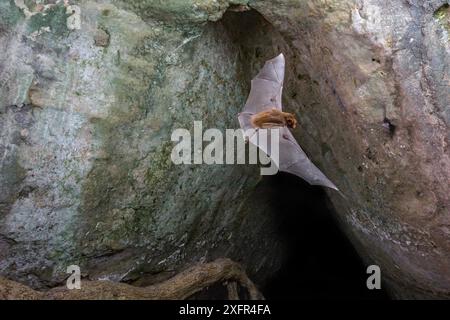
266 90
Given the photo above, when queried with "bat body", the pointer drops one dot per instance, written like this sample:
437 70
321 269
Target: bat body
273 118
263 110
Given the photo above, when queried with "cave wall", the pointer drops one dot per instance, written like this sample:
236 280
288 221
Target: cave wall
87 114
86 176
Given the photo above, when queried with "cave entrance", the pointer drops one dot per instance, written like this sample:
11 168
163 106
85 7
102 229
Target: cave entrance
318 261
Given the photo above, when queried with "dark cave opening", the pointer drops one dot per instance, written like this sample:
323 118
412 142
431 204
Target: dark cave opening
319 262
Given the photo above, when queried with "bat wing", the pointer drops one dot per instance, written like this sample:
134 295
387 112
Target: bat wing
266 91
292 158
267 87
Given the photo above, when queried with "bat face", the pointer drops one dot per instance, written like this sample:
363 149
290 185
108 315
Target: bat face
291 121
273 118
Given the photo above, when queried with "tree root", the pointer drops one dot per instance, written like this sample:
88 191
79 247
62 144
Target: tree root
181 286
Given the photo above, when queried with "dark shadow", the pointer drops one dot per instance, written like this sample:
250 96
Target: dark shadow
319 261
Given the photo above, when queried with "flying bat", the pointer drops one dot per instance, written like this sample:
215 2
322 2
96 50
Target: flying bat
263 110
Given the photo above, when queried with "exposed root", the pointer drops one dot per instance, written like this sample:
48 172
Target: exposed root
181 286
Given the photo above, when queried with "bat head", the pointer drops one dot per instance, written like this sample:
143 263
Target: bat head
291 122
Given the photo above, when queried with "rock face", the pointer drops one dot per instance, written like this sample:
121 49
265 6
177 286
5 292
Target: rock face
90 93
370 82
87 113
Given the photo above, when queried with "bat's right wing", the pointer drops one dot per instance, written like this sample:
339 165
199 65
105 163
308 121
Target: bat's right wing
291 157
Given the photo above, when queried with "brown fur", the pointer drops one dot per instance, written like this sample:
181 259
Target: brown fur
273 118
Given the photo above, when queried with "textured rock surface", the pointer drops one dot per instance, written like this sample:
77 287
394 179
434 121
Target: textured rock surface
86 118
86 115
371 86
